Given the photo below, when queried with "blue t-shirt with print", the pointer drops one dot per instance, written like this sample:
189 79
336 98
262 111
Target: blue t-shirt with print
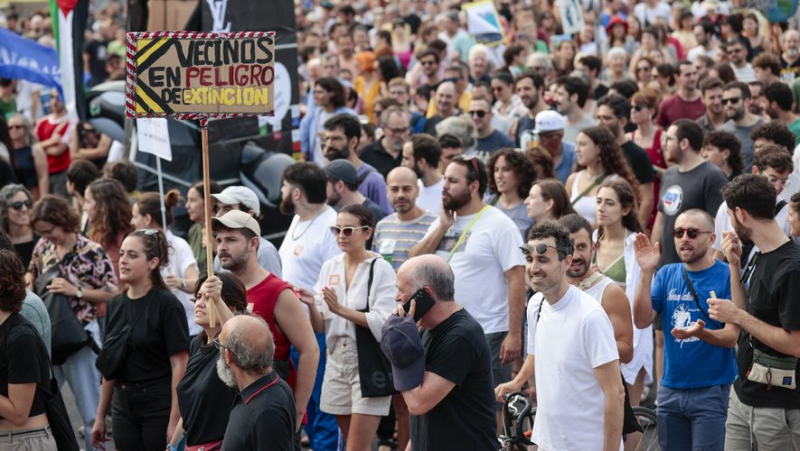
692 363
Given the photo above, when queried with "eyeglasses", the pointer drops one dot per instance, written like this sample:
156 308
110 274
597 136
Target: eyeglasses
397 131
497 88
732 100
452 80
18 205
218 345
643 69
638 108
346 231
16 127
691 233
479 113
540 249
473 160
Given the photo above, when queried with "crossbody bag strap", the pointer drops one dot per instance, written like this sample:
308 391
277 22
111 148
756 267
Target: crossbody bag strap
464 233
697 301
596 182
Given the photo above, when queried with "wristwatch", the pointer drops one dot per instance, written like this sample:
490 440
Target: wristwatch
183 284
79 294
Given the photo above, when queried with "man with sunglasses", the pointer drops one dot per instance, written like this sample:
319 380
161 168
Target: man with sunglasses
480 242
741 121
489 139
764 410
699 365
571 350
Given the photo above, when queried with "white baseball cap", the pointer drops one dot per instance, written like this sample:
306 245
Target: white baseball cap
548 121
233 195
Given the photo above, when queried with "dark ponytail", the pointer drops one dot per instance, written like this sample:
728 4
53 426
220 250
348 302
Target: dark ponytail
155 246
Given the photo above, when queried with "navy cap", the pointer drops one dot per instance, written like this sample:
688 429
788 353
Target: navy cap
402 345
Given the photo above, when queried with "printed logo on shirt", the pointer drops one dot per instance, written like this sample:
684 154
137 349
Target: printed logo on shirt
672 200
682 315
298 249
333 279
449 242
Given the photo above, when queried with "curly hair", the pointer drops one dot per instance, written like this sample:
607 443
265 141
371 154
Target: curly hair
542 162
112 215
776 132
6 194
57 211
565 245
12 282
521 165
611 155
726 140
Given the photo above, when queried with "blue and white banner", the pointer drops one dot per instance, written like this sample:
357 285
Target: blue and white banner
25 59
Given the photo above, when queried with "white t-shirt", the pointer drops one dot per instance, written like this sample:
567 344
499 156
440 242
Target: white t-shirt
489 250
307 245
181 258
571 338
647 16
723 223
430 198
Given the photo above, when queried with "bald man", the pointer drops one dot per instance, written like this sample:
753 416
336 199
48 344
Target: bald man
397 233
263 414
446 102
456 354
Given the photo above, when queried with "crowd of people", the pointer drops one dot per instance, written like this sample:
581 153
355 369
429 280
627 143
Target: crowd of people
622 203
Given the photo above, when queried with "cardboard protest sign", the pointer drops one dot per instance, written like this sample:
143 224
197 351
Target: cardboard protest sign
189 75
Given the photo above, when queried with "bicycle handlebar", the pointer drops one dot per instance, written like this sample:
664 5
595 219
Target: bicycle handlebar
511 408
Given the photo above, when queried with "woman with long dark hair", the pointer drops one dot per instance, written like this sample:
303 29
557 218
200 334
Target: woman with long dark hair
195 207
181 273
24 366
599 158
142 396
511 174
644 109
201 393
109 211
16 203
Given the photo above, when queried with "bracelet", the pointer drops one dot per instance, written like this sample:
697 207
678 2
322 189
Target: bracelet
183 284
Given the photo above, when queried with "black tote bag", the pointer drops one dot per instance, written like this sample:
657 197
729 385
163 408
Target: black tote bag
68 335
374 368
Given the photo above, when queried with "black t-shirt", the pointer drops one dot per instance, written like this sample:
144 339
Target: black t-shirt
263 417
376 156
7 175
524 124
24 359
640 162
98 53
457 350
774 293
25 250
159 330
203 398
600 91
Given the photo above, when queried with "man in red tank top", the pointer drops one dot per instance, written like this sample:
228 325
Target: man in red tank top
50 131
237 236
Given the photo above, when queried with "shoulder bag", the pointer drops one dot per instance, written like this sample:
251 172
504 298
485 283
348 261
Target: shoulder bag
374 369
67 335
115 349
583 193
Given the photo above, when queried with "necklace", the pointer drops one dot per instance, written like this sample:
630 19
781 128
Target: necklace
295 238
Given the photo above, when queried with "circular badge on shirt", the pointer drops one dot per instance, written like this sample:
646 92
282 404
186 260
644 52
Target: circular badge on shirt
672 199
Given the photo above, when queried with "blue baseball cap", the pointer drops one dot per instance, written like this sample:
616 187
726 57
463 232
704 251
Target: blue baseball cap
401 343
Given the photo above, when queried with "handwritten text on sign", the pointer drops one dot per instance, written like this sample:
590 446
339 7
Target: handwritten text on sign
205 75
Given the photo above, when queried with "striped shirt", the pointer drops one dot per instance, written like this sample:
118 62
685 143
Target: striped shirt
394 238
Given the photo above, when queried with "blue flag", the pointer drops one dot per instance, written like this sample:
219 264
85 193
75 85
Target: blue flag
25 59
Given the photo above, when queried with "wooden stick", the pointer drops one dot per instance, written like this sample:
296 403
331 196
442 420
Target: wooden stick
212 312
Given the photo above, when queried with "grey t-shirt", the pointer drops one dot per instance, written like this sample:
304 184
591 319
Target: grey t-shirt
267 256
34 310
571 131
518 214
743 133
680 191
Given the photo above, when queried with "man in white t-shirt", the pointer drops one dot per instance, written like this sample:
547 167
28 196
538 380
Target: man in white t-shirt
480 243
577 378
421 154
307 245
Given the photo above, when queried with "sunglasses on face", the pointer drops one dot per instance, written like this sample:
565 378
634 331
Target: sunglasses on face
691 233
479 113
346 231
732 101
638 108
18 205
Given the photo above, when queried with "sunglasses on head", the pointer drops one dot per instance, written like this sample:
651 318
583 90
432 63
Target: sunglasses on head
540 249
346 231
472 160
691 233
18 205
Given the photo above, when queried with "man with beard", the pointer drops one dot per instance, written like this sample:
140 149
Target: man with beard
714 117
479 242
741 122
342 188
489 139
706 43
307 245
571 349
342 134
737 49
262 416
530 89
779 107
237 237
421 154
699 366
764 407
386 153
790 58
757 102
569 99
691 183
686 103
398 232
613 113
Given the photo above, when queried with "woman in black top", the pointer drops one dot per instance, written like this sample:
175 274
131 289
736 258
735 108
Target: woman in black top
201 393
142 398
29 159
24 366
16 203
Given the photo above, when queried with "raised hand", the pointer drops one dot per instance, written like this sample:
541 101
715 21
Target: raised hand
646 255
732 248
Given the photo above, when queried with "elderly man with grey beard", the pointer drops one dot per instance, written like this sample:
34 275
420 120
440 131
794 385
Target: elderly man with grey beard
263 414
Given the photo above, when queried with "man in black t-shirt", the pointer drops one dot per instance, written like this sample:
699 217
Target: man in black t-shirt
452 401
612 112
764 407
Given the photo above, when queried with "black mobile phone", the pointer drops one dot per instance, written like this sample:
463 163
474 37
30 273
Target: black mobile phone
424 303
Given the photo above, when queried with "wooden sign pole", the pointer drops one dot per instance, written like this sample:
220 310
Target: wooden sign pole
210 305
